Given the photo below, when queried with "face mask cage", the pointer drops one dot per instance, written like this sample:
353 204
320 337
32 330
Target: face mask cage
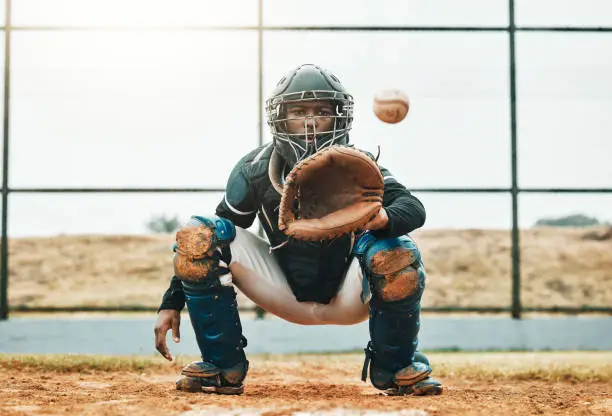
342 120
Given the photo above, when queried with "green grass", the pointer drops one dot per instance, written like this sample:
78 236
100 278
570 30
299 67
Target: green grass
482 366
81 363
546 366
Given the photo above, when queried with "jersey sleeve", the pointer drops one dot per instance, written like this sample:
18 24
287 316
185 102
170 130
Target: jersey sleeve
405 211
174 298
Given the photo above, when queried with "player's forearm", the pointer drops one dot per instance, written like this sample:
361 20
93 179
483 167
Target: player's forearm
406 213
174 298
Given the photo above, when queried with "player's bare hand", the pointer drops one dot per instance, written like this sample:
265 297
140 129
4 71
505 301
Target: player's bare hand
380 221
167 319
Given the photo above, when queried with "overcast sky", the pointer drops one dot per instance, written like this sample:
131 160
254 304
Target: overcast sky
179 108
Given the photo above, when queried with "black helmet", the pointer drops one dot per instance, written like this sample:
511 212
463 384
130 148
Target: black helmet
308 83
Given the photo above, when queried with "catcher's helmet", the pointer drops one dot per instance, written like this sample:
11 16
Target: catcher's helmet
308 83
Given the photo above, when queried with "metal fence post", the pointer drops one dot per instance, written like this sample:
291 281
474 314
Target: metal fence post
260 33
516 261
5 171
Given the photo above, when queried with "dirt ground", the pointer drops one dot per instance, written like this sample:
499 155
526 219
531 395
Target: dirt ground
315 385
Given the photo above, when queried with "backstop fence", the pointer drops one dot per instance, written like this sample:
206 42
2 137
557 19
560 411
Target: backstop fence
510 31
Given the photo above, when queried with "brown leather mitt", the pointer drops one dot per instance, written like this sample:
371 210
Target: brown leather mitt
336 191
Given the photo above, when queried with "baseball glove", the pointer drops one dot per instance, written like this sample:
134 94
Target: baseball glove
336 191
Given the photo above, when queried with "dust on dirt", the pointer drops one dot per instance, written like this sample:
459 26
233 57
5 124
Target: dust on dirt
326 386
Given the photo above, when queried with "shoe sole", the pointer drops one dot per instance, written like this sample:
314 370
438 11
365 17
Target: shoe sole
213 390
195 386
427 390
223 390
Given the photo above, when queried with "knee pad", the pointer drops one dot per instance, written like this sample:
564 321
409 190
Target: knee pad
394 268
200 246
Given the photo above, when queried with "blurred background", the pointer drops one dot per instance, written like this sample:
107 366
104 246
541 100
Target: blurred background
123 118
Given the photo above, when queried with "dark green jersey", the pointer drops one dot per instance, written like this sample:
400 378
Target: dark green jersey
314 270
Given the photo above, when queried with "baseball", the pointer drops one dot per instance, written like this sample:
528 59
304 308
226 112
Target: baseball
391 106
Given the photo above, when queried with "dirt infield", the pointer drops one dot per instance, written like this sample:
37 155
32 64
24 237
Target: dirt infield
485 384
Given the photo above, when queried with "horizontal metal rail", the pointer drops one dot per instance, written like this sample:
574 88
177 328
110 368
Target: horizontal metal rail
111 190
548 309
198 189
71 309
435 309
212 28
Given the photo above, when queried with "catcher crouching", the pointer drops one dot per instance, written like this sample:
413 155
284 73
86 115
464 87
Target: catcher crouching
337 248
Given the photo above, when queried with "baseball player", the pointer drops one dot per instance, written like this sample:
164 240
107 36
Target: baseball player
374 274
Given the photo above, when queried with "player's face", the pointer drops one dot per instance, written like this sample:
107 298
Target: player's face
307 117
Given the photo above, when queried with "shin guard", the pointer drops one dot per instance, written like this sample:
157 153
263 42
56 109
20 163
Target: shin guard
216 323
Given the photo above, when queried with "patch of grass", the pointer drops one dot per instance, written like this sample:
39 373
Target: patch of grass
82 363
491 367
573 366
547 366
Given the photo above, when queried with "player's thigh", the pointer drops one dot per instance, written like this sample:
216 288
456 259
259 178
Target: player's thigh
253 253
257 274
